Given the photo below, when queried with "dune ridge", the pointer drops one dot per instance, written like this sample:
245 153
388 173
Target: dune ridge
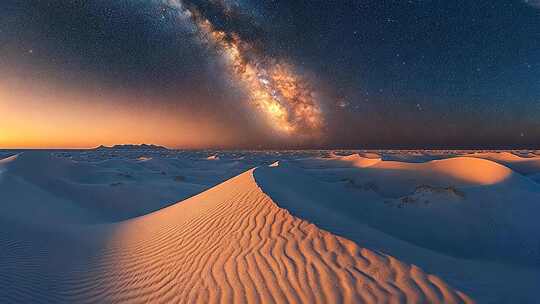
523 165
299 228
464 170
229 244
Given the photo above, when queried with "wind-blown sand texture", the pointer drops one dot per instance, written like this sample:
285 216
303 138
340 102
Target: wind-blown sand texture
274 234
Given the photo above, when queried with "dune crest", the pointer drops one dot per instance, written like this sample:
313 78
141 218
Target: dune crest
471 170
229 244
232 243
360 161
461 171
523 165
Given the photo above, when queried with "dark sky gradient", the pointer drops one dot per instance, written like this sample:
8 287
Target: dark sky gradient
391 74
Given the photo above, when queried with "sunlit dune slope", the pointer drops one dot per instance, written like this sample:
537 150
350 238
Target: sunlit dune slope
396 179
462 170
360 161
229 244
523 165
465 169
234 239
336 161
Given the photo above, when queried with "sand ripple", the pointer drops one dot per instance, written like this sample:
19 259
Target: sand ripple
230 244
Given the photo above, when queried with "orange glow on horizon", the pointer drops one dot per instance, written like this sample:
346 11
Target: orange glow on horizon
48 116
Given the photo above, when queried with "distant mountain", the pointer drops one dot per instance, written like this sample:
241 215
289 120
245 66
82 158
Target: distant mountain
132 147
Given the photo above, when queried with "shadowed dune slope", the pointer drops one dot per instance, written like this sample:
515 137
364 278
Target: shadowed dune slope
476 238
102 192
229 244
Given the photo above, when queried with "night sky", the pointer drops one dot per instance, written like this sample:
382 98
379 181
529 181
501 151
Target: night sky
348 74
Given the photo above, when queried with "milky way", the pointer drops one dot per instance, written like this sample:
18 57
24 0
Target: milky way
287 101
277 74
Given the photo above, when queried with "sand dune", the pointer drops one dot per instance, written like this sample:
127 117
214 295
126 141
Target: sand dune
231 243
461 206
360 161
395 179
343 229
110 191
473 236
459 170
524 165
337 161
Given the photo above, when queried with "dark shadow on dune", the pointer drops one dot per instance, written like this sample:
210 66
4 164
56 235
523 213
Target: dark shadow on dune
459 228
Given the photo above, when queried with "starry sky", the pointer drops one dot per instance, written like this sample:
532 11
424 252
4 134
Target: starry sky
348 74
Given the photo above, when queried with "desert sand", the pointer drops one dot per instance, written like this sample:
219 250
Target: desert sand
269 227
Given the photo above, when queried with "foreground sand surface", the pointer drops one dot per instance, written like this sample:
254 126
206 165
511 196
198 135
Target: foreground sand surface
269 227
